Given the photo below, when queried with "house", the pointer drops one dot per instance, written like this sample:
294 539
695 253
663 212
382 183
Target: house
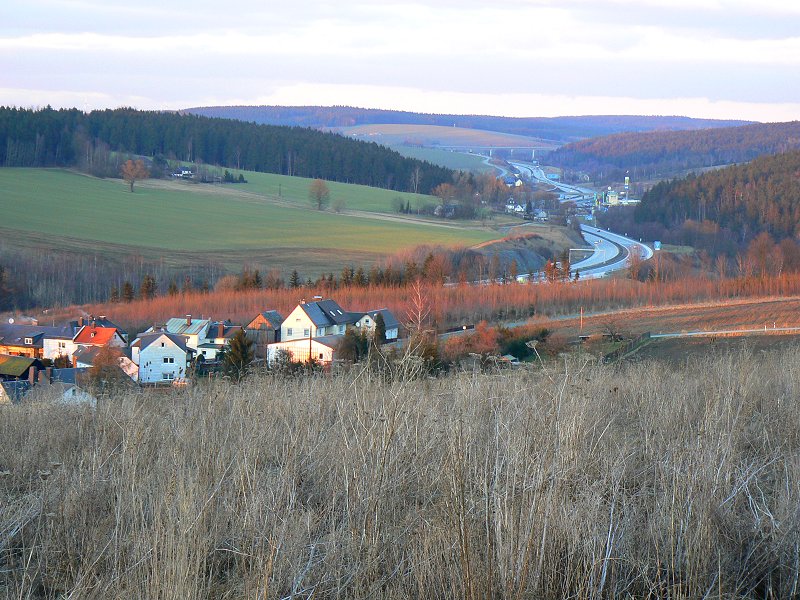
86 357
31 340
218 338
162 357
263 330
194 330
391 324
18 367
183 173
61 385
317 319
101 321
321 349
98 337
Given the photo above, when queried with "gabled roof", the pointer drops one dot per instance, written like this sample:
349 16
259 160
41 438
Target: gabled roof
15 390
193 327
15 366
228 330
389 320
328 312
86 354
95 336
147 339
273 317
68 375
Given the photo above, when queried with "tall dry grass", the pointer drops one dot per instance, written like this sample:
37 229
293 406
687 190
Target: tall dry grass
566 481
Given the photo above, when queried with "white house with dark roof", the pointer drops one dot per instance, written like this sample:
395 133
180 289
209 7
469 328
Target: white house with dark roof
322 349
390 322
317 319
219 337
162 357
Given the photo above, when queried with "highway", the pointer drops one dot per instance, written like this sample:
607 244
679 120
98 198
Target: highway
572 192
611 253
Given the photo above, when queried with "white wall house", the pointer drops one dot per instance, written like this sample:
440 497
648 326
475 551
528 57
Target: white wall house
162 357
367 323
55 346
317 319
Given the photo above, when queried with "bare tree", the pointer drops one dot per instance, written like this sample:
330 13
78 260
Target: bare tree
416 178
319 194
133 171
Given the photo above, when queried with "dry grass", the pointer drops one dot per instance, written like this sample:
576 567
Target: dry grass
572 481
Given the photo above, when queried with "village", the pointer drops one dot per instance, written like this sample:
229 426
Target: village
62 358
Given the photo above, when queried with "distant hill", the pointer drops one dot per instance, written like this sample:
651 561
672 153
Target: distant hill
655 154
71 138
558 129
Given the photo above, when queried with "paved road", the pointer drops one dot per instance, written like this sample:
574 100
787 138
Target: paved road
571 192
612 252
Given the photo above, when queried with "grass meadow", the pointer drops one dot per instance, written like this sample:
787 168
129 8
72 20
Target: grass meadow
452 160
563 481
437 135
69 210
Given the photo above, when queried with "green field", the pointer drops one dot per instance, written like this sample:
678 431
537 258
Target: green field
71 211
392 134
458 161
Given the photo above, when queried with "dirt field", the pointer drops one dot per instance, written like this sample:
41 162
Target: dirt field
740 314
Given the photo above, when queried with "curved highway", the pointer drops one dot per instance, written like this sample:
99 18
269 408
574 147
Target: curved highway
612 252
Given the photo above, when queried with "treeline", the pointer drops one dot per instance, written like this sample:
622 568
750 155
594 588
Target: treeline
69 138
561 129
654 154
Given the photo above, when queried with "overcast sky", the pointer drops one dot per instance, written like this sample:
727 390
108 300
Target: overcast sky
700 58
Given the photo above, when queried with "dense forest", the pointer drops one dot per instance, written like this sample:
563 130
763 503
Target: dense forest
47 137
747 211
559 129
654 154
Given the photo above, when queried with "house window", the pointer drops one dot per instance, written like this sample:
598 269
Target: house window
62 345
29 341
306 333
162 344
320 356
167 376
169 359
320 331
288 331
341 328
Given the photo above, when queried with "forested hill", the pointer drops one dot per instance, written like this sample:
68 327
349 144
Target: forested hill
654 154
745 200
47 137
559 129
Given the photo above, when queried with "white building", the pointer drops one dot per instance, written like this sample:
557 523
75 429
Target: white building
162 357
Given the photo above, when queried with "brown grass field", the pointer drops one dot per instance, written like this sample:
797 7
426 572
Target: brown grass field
563 481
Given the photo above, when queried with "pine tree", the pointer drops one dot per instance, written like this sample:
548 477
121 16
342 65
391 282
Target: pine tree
128 293
149 287
238 356
294 280
188 287
114 295
379 337
172 290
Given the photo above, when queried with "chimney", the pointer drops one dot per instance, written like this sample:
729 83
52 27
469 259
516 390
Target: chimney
80 321
32 375
43 377
188 320
220 329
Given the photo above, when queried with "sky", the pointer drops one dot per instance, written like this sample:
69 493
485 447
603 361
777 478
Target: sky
726 59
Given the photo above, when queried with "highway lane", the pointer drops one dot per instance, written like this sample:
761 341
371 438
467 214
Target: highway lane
612 252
